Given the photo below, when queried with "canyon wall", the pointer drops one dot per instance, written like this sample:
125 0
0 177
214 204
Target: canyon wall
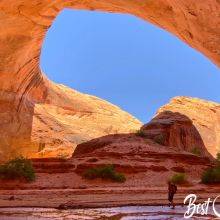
35 112
187 124
184 125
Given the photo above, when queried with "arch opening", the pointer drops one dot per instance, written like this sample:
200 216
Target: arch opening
126 61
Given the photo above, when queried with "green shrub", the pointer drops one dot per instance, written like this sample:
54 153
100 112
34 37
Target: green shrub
196 151
211 175
17 168
218 156
178 178
140 133
160 139
104 172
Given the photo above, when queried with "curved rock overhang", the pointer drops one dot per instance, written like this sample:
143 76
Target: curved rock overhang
24 24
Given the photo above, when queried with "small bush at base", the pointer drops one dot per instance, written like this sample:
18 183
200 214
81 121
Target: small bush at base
218 157
104 172
196 151
140 133
211 175
178 178
17 168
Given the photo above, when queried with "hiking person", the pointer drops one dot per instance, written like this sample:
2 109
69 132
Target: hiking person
172 188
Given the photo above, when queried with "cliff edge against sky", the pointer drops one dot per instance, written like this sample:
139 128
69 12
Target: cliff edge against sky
31 106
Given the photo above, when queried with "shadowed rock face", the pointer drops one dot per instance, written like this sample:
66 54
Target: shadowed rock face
183 125
36 113
175 130
187 123
140 153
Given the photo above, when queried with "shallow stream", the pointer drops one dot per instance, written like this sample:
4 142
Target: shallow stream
116 213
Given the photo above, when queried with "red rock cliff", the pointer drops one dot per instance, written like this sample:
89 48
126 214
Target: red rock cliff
187 123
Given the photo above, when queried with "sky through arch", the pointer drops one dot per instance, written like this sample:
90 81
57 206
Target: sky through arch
126 61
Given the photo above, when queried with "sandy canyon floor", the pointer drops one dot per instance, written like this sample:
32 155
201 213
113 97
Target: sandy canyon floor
61 192
146 165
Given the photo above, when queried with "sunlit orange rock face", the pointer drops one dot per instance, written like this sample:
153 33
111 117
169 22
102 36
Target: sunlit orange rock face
72 118
66 118
184 125
37 114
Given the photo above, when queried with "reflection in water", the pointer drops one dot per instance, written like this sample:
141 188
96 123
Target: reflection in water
117 213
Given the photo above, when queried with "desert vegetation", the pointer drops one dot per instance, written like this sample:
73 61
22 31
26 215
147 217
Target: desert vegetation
196 151
18 168
159 139
212 175
218 157
104 172
178 178
140 133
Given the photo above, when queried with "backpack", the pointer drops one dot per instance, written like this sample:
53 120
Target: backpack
174 188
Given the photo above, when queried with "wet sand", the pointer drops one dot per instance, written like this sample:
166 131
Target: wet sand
116 213
100 197
113 203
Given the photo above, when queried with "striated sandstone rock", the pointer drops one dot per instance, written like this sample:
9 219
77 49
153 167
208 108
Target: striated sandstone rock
31 106
182 125
140 159
188 123
59 183
73 118
65 119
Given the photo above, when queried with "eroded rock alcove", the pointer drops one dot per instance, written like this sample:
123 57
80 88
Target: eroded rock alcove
32 108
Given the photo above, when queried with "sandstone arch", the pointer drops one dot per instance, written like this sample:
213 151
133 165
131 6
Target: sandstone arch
26 93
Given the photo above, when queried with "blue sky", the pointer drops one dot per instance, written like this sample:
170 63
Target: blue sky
126 61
